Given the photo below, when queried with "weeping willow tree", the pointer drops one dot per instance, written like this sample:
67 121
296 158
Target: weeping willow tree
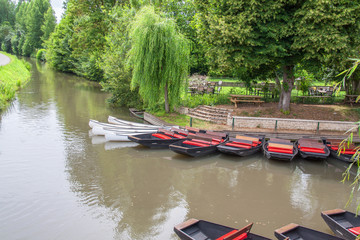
159 57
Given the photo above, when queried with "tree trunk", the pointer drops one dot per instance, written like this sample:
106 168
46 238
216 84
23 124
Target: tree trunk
167 108
278 84
287 86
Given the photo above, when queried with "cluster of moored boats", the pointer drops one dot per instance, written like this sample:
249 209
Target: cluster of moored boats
344 224
196 142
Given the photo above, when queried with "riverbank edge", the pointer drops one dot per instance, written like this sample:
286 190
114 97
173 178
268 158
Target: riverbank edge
293 134
13 76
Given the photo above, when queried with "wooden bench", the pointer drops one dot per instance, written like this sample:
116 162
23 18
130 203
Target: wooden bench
245 98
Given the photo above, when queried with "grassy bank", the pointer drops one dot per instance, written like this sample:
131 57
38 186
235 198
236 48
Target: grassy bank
12 77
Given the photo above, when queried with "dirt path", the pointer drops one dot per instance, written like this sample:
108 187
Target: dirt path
4 59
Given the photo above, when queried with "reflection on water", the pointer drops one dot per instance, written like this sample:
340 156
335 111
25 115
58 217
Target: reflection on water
59 182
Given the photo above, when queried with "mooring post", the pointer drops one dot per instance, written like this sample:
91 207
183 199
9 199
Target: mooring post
276 125
190 121
233 123
318 128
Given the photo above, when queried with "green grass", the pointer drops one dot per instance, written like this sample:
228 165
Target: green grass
12 77
182 120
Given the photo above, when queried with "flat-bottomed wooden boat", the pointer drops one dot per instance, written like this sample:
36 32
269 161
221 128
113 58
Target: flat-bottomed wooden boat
280 149
242 145
118 121
161 139
294 231
345 154
312 149
104 130
199 144
137 113
194 229
343 223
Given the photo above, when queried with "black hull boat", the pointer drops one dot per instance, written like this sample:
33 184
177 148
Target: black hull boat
194 229
161 139
312 149
294 231
345 155
242 145
199 144
280 149
343 223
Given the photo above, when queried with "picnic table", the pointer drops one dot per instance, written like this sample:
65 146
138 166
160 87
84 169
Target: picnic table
350 99
245 98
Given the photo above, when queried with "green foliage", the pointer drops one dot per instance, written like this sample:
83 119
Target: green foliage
58 53
35 18
49 24
183 12
40 55
31 24
318 100
265 36
306 79
192 101
285 112
159 56
6 33
351 79
117 76
7 11
79 41
13 75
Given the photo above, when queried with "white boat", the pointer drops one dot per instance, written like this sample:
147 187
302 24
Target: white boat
118 137
118 145
94 123
98 130
98 139
115 120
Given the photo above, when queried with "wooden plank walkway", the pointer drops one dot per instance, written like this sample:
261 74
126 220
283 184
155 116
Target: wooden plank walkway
291 136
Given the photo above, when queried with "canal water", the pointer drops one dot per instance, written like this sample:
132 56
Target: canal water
59 182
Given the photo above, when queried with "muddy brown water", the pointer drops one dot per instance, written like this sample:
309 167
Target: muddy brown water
58 182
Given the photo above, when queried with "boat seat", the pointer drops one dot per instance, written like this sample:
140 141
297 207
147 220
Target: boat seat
226 236
279 140
252 139
345 223
197 144
238 145
161 136
282 146
195 233
312 150
179 136
192 129
355 230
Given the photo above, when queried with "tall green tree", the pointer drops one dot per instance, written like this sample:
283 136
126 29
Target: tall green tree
117 75
159 56
6 33
7 12
49 24
86 23
271 37
183 12
36 13
58 53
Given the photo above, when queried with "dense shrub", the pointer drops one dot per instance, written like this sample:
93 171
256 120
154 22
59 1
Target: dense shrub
40 55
